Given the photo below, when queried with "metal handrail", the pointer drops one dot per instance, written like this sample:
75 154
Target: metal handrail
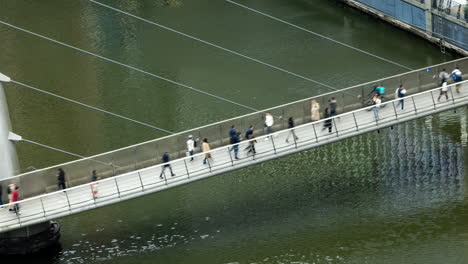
164 183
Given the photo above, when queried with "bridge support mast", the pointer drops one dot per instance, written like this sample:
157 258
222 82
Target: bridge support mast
32 238
8 158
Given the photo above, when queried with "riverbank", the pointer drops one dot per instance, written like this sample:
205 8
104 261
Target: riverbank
428 35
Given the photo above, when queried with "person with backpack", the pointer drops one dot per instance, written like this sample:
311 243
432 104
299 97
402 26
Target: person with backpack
165 159
457 77
379 90
400 93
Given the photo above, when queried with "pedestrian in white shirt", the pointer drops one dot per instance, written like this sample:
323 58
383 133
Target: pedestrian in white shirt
269 123
443 90
190 146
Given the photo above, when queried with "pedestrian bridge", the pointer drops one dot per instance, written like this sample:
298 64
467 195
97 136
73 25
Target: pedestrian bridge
135 170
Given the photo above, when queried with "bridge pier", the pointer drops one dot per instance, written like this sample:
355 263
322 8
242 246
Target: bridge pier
28 239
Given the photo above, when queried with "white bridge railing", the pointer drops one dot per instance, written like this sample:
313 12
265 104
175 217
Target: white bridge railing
144 181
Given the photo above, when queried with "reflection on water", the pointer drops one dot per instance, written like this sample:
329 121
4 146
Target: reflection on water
372 197
394 197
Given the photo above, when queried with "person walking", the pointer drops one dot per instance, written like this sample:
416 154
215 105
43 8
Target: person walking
206 150
10 188
457 77
232 131
94 184
332 106
315 110
400 93
190 146
443 90
328 122
377 102
94 176
166 159
61 179
443 76
232 135
14 199
269 123
249 135
291 131
235 140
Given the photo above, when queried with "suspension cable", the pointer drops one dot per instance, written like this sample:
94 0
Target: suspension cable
214 45
60 150
92 107
127 66
319 35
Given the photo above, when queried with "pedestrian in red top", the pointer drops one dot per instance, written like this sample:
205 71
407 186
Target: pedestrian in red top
15 198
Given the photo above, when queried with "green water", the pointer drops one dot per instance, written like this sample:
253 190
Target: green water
394 197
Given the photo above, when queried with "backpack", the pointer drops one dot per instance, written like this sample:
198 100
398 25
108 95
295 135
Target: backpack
401 92
194 144
456 77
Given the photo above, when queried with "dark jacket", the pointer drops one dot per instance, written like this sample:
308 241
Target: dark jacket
290 123
61 176
165 157
232 132
328 122
235 139
249 133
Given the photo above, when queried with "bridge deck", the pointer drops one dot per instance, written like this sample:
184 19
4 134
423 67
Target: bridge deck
144 181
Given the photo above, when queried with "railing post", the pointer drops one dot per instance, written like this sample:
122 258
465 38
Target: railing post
315 132
186 168
451 93
141 181
17 208
68 200
294 136
113 169
394 109
355 122
208 161
43 208
414 105
117 186
92 191
230 156
273 143
336 127
433 101
135 155
342 103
